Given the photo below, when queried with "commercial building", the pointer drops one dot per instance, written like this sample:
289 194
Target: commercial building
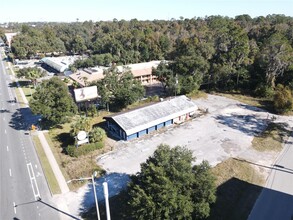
140 71
139 122
60 64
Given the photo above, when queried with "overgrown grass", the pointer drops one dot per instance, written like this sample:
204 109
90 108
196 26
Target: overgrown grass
50 177
272 138
72 168
249 100
197 95
238 187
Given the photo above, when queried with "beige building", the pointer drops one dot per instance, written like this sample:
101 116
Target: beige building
140 71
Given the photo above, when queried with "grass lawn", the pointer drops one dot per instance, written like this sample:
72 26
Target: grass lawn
272 138
238 187
27 89
50 177
19 98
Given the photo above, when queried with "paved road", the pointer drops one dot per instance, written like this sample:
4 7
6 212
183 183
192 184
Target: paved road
22 181
276 200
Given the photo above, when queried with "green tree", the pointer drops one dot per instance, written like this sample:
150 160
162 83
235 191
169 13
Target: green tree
283 100
97 135
53 101
31 73
275 57
163 73
82 124
78 45
169 187
120 87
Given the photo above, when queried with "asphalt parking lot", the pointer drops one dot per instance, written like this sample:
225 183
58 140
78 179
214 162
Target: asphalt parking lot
225 131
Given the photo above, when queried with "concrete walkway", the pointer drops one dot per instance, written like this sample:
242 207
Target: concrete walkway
55 167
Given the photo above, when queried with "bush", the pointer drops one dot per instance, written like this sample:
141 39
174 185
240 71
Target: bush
283 101
97 135
74 151
264 91
92 111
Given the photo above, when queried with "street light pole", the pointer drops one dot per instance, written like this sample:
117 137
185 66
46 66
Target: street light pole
106 195
96 200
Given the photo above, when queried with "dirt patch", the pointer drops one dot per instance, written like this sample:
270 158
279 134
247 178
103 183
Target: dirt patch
272 138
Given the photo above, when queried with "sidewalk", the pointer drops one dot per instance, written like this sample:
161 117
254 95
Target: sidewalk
55 167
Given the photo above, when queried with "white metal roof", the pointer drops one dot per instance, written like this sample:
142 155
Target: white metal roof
142 118
59 63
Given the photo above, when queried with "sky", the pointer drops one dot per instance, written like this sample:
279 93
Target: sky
97 10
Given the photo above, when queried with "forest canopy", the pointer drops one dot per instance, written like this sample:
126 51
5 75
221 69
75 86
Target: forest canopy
214 52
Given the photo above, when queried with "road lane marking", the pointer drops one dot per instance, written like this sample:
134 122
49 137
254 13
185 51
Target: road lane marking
33 181
7 148
3 119
10 172
5 131
14 207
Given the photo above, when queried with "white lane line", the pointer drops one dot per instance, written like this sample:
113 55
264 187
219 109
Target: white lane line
3 119
7 148
14 207
10 172
33 181
5 131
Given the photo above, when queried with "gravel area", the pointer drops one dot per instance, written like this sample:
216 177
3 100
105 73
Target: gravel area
225 131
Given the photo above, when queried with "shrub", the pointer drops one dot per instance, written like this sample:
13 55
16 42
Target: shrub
97 135
264 91
74 151
283 101
92 111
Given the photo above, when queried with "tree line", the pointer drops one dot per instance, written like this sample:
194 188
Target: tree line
212 53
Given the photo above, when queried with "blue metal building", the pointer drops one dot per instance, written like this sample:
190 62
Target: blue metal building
139 122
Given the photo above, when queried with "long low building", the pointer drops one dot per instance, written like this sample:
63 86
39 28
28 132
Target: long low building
60 64
139 122
141 72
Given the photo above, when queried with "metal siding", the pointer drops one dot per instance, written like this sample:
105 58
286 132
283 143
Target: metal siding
141 133
159 126
140 119
151 129
132 136
168 122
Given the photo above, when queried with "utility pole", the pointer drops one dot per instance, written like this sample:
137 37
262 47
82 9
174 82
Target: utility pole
96 200
106 195
176 83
